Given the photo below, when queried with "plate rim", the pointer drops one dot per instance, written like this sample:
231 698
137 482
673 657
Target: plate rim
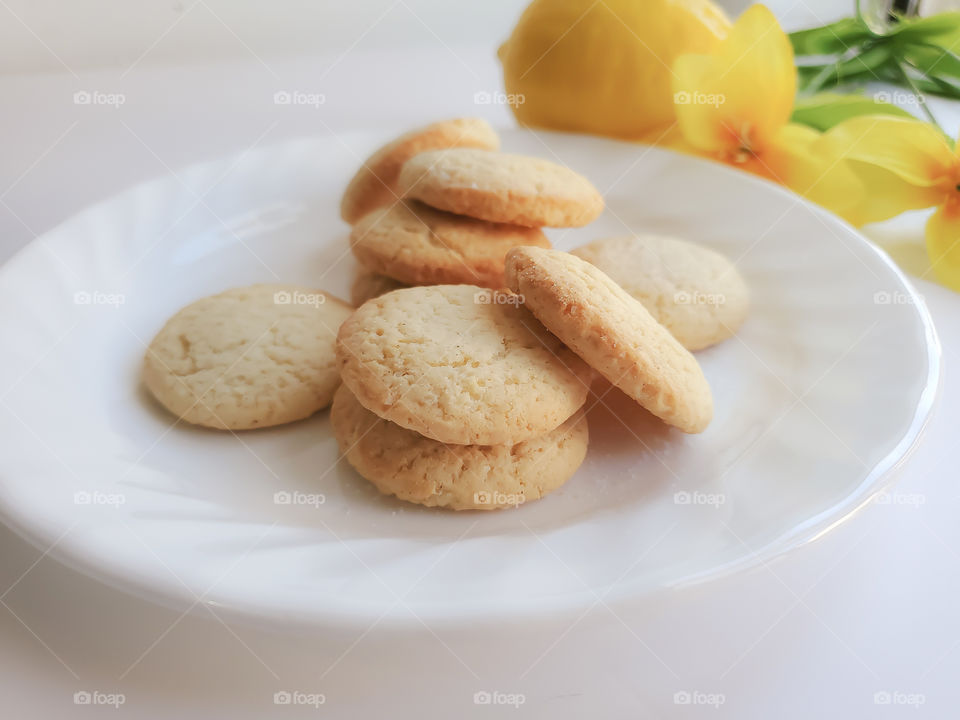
177 597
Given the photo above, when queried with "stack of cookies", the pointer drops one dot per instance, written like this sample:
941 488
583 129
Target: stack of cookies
440 206
454 395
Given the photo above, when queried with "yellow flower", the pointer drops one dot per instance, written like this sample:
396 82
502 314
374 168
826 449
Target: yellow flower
905 164
734 106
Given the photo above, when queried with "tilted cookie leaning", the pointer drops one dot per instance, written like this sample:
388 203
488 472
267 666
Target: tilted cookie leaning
403 463
501 188
460 364
614 333
375 183
692 290
247 358
417 245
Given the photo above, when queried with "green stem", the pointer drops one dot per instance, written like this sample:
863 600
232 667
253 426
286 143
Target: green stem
920 98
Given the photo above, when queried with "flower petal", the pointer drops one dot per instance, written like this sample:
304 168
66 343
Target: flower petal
754 73
886 195
943 244
742 95
795 159
913 150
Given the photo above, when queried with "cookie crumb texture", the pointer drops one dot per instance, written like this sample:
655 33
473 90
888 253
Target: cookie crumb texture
692 290
248 358
501 188
614 333
460 364
417 245
375 183
411 467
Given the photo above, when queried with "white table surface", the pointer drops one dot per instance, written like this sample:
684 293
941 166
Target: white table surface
869 608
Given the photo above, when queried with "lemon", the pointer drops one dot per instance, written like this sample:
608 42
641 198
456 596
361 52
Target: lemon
604 66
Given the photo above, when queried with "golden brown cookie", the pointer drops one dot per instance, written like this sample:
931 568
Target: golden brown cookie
693 291
614 333
460 364
403 463
501 188
417 245
374 185
247 358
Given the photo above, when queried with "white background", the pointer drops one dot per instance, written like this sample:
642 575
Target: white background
869 608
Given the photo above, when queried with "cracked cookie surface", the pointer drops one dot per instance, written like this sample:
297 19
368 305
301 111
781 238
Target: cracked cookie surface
460 364
614 333
247 358
417 469
500 187
375 183
417 245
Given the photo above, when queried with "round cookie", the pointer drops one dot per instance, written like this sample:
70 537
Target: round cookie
374 184
693 291
460 364
417 245
614 333
501 188
403 463
248 358
368 285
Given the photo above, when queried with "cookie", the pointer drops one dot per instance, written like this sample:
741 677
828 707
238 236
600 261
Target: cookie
417 245
368 285
614 333
693 291
248 358
460 364
374 184
501 188
403 463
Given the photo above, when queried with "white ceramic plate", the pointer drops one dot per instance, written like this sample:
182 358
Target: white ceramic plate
824 391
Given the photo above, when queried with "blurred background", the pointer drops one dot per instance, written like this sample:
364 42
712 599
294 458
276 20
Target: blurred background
38 37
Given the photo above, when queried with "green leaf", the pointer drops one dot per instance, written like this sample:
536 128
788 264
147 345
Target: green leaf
824 110
870 60
933 60
936 29
832 39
